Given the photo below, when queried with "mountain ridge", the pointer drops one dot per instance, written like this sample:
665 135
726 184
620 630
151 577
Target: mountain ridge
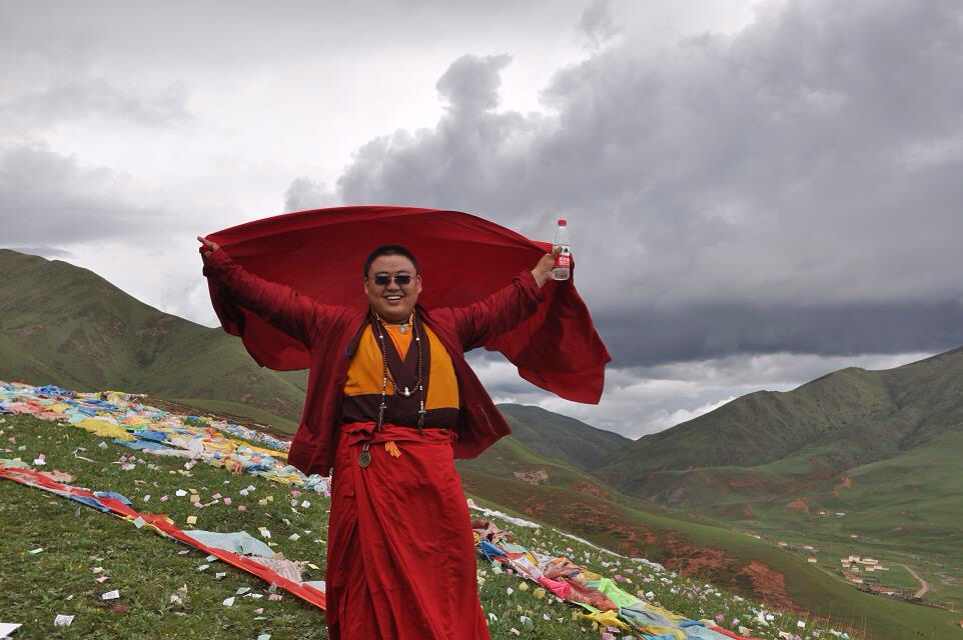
62 324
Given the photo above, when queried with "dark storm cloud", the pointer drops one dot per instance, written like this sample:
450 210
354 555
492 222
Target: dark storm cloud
701 332
792 188
452 166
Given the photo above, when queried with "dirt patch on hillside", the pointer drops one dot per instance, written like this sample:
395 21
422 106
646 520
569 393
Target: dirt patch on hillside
590 489
632 541
769 585
605 523
756 578
799 504
690 560
532 477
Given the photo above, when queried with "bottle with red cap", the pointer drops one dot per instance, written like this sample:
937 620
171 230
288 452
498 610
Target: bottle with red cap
563 261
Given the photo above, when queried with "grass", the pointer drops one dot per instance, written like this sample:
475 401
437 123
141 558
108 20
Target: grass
902 510
148 569
619 522
60 324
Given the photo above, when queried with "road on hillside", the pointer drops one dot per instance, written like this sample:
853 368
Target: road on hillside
924 585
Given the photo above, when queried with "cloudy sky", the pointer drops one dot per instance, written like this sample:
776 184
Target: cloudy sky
759 192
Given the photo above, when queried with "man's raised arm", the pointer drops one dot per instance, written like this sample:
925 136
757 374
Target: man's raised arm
280 305
503 310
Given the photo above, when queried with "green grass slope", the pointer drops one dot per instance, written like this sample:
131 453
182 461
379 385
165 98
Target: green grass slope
555 436
905 510
78 545
880 448
60 324
692 544
842 420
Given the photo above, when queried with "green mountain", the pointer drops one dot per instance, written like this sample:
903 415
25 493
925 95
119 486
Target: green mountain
774 443
61 324
855 462
555 436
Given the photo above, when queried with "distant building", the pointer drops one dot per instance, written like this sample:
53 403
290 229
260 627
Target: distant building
811 560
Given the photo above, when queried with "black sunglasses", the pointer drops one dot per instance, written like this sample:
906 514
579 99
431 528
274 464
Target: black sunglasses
401 279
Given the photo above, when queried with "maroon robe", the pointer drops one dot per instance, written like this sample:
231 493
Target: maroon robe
308 307
400 551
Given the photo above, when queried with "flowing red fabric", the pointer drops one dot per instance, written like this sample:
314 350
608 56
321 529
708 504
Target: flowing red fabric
463 258
401 554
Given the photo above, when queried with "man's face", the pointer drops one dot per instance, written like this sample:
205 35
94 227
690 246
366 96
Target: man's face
392 301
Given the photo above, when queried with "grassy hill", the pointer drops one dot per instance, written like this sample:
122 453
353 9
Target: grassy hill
689 543
60 324
882 447
855 462
555 436
782 442
48 536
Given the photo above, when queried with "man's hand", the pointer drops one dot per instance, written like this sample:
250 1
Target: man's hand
207 246
543 270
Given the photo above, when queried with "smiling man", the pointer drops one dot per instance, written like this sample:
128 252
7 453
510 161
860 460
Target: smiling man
400 561
392 282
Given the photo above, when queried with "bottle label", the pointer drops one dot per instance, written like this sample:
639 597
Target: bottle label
563 259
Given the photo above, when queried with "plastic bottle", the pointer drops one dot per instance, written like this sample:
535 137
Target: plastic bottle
563 261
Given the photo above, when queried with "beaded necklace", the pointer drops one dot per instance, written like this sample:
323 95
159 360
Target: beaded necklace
386 374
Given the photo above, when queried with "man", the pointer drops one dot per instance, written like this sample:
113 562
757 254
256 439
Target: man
400 562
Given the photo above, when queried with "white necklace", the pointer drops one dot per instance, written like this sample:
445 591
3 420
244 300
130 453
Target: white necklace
402 326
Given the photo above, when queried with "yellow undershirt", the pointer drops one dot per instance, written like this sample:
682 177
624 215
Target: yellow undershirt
365 370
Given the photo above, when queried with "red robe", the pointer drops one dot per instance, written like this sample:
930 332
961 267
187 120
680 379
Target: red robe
401 564
466 262
401 556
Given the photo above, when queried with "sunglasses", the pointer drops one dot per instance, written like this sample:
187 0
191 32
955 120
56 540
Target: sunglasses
383 279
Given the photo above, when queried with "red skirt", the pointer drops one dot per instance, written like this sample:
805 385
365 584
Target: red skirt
401 555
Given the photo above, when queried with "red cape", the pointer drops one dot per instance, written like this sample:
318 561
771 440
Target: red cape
462 258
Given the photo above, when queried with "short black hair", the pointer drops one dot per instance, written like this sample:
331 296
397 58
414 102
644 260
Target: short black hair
389 250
